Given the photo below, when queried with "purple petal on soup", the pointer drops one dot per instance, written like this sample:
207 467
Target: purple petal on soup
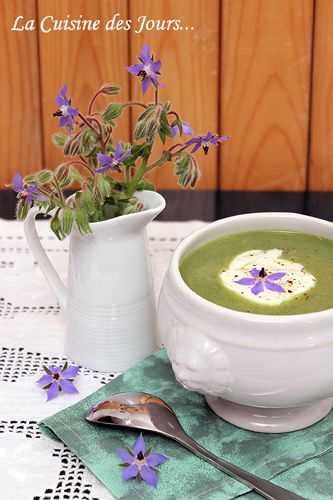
258 288
53 391
254 272
130 472
156 459
139 445
45 379
246 281
274 287
276 276
135 69
68 387
145 84
124 456
70 372
149 475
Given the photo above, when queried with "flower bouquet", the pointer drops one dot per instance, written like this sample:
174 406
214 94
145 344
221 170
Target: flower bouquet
108 174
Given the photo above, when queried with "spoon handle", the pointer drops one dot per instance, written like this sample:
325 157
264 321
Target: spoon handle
262 486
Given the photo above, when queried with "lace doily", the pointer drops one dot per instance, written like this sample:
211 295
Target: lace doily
32 466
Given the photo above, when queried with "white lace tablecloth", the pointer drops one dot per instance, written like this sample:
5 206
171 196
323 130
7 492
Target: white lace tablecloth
32 466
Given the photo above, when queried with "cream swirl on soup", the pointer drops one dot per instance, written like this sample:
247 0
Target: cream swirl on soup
264 277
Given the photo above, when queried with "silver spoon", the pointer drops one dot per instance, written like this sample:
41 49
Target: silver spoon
138 410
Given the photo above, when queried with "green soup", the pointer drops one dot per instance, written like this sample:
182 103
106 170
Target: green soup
206 270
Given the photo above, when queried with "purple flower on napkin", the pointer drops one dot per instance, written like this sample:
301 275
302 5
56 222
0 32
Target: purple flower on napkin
140 463
261 280
112 162
66 112
205 141
59 379
148 69
30 193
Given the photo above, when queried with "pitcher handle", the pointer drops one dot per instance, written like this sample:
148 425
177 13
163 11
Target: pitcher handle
42 259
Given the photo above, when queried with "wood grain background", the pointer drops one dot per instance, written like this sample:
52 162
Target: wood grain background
258 70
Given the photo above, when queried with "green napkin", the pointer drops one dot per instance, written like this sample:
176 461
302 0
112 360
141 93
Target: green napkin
299 461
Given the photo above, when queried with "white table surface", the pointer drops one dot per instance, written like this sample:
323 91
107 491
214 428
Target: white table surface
32 466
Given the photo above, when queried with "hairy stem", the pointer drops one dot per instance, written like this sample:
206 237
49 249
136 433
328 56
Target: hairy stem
92 101
135 103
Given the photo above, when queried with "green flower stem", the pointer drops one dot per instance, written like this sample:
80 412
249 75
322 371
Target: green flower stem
166 156
132 185
135 103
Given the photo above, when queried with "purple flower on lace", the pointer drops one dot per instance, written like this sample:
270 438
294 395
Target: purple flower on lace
112 162
30 193
205 141
140 463
148 69
58 379
261 280
187 129
66 112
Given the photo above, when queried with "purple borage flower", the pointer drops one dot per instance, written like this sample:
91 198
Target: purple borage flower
112 162
187 129
205 141
66 112
262 280
139 463
148 69
59 379
30 193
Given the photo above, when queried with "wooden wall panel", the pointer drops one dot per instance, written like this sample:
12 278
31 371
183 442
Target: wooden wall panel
321 158
190 71
84 60
20 124
266 63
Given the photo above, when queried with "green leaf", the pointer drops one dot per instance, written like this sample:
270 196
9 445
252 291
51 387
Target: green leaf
56 226
44 177
88 141
103 185
187 170
67 220
73 145
148 123
22 209
145 185
82 222
75 175
59 139
30 179
111 112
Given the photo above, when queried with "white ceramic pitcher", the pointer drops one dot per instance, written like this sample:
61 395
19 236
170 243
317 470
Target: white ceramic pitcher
108 302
